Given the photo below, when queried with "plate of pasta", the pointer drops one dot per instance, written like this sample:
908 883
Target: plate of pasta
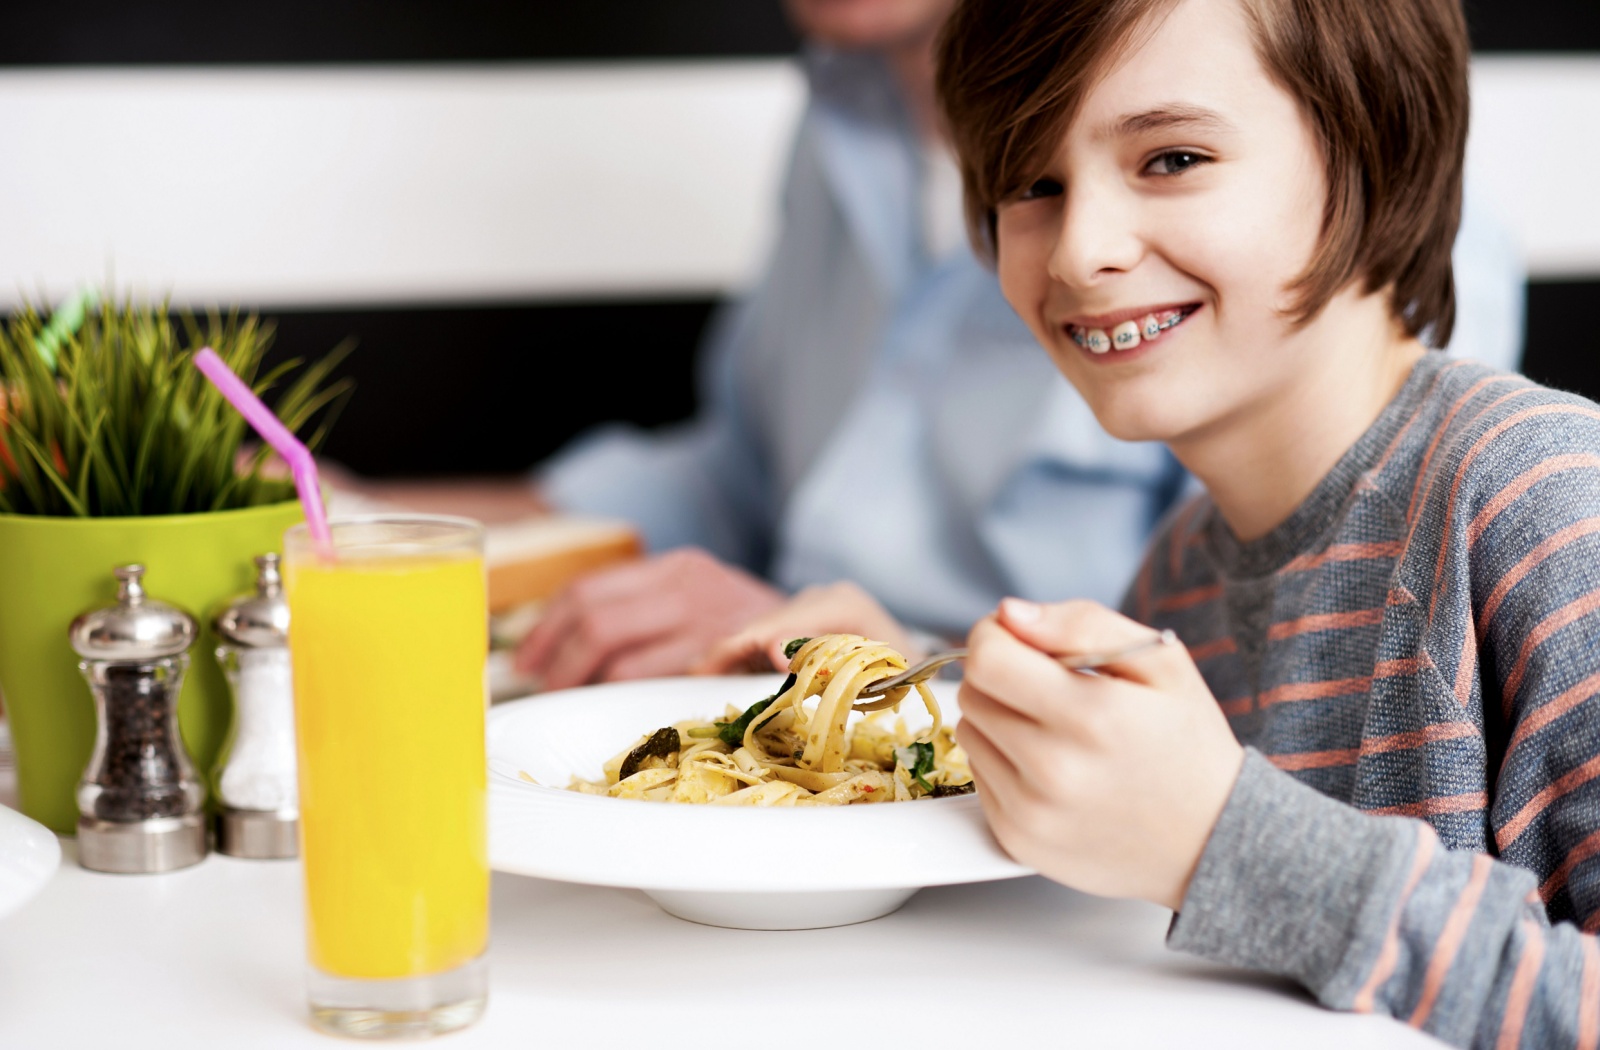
756 801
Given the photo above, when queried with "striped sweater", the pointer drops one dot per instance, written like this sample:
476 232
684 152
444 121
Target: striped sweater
1412 660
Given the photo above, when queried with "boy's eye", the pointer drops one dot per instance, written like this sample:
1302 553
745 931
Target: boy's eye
1174 162
1040 188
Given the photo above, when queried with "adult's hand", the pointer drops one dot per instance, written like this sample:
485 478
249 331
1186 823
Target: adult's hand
648 618
1108 783
835 608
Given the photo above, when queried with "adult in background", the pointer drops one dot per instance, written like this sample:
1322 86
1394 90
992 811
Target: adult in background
874 411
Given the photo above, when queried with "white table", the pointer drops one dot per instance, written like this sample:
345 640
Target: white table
211 957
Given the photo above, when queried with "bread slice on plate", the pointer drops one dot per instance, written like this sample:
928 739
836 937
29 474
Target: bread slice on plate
531 560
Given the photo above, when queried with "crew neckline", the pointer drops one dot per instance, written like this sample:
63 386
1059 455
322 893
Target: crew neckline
1318 513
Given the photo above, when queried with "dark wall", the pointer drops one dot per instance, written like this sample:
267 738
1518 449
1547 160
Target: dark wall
1534 25
286 31
205 31
490 389
1562 349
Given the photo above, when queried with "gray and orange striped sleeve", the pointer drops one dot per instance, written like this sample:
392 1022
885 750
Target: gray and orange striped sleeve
1371 912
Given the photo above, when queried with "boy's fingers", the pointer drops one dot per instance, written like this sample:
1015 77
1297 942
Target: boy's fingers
1012 673
991 767
1002 725
1069 628
1081 628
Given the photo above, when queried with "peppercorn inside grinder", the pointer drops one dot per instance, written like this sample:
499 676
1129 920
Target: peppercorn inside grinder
260 814
139 802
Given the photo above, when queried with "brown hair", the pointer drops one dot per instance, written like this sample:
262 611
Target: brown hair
1382 82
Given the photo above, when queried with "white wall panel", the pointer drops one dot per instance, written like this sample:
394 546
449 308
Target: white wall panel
363 185
375 185
1534 153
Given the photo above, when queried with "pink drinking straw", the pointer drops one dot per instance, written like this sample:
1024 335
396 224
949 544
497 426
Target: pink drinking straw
301 464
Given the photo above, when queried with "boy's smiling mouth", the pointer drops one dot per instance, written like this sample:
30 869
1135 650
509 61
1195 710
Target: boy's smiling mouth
1126 330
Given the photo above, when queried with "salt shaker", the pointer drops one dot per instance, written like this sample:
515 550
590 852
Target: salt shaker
260 814
139 802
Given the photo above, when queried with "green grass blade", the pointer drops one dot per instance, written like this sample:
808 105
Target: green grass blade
48 470
137 429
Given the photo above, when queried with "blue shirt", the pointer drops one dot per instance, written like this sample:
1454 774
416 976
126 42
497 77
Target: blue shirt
874 413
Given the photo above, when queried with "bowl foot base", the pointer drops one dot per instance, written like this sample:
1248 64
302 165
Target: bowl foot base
781 911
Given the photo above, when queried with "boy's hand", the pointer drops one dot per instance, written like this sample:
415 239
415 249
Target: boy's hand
1110 784
835 608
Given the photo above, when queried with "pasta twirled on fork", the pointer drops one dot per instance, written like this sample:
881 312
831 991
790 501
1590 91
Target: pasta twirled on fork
788 751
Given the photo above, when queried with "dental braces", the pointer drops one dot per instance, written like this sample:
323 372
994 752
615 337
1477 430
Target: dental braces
1085 339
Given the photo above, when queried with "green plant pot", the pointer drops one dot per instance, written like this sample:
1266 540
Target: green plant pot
52 569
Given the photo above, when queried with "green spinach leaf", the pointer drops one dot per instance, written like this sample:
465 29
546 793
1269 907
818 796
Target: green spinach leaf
918 761
662 743
732 733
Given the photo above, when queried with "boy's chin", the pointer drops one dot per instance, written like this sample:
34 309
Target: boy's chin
1130 408
1129 415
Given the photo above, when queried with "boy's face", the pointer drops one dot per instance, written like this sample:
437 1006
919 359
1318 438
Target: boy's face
867 24
1185 196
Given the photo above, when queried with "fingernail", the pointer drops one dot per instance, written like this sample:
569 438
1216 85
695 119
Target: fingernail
1019 611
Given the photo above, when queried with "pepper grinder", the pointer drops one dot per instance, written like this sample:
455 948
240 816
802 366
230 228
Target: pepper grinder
260 815
139 802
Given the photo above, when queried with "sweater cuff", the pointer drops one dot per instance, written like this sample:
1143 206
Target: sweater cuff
1294 883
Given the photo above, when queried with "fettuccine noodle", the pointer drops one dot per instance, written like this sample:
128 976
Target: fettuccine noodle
790 751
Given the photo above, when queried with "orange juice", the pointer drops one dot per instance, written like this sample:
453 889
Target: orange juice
388 645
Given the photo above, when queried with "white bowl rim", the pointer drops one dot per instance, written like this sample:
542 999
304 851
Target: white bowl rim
553 833
29 856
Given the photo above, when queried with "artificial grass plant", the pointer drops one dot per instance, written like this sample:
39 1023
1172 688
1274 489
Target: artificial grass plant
102 413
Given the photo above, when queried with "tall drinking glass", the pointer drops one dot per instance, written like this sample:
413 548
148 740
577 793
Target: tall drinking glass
388 640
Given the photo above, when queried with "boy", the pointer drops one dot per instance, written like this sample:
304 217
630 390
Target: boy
1228 222
1387 590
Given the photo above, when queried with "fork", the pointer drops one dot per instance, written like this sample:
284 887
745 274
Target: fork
1083 663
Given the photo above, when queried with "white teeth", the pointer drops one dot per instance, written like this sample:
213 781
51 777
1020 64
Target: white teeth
1128 334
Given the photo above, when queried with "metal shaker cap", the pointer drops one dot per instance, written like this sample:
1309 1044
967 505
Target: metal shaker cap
259 620
136 628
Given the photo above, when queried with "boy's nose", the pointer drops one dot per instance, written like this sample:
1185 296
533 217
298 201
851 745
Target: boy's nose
1098 237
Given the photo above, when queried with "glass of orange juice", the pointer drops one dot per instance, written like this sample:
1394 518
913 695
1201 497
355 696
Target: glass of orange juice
388 637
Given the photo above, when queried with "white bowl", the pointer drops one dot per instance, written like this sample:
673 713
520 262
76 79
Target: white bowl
29 855
749 868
